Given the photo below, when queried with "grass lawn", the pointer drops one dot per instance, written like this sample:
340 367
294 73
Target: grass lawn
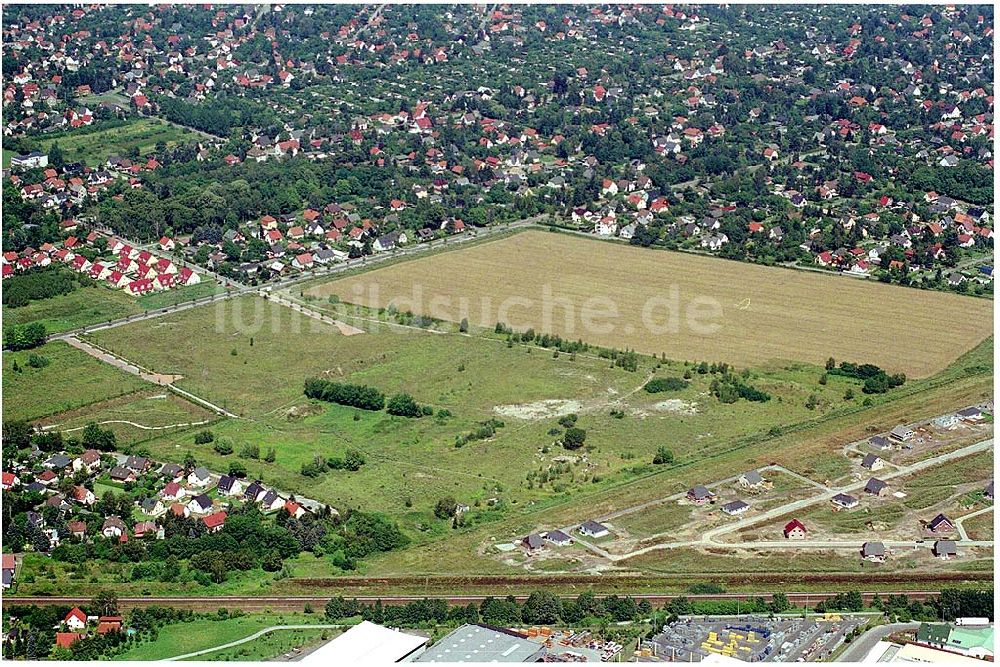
207 287
180 638
758 314
707 562
71 380
271 645
100 489
980 527
79 308
92 305
94 100
134 417
657 519
93 145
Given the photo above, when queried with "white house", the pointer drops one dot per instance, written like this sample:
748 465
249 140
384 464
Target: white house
593 529
199 477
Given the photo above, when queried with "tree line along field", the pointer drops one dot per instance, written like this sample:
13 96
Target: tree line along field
767 313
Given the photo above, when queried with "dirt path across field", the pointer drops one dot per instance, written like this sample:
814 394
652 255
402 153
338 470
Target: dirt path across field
122 364
50 427
161 379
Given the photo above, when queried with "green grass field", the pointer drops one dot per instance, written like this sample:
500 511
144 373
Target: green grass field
207 287
980 527
94 100
92 305
271 645
134 417
252 356
180 638
79 308
72 379
93 145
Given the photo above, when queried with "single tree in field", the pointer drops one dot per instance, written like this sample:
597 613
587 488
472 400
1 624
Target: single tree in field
574 438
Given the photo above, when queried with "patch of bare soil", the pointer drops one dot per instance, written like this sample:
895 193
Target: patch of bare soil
546 409
302 411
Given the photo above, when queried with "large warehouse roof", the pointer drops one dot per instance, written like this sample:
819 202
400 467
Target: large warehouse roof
368 643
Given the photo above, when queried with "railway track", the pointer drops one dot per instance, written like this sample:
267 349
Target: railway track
297 602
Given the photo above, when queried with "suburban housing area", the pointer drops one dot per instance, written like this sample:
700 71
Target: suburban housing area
498 333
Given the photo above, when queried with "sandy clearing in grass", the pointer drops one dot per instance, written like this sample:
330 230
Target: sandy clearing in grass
539 409
765 313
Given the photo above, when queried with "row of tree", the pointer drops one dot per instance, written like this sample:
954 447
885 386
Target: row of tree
541 607
358 396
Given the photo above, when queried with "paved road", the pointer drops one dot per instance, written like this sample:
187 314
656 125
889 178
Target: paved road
860 647
343 327
160 312
252 637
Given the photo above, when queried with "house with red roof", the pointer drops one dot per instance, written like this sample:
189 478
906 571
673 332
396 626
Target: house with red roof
145 529
10 480
187 277
140 287
84 496
143 270
795 530
172 491
294 509
215 522
106 624
303 261
164 265
67 639
75 619
118 279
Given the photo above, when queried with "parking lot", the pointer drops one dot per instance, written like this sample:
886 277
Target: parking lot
752 638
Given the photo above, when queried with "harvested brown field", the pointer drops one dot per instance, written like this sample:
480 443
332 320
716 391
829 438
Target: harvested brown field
686 306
